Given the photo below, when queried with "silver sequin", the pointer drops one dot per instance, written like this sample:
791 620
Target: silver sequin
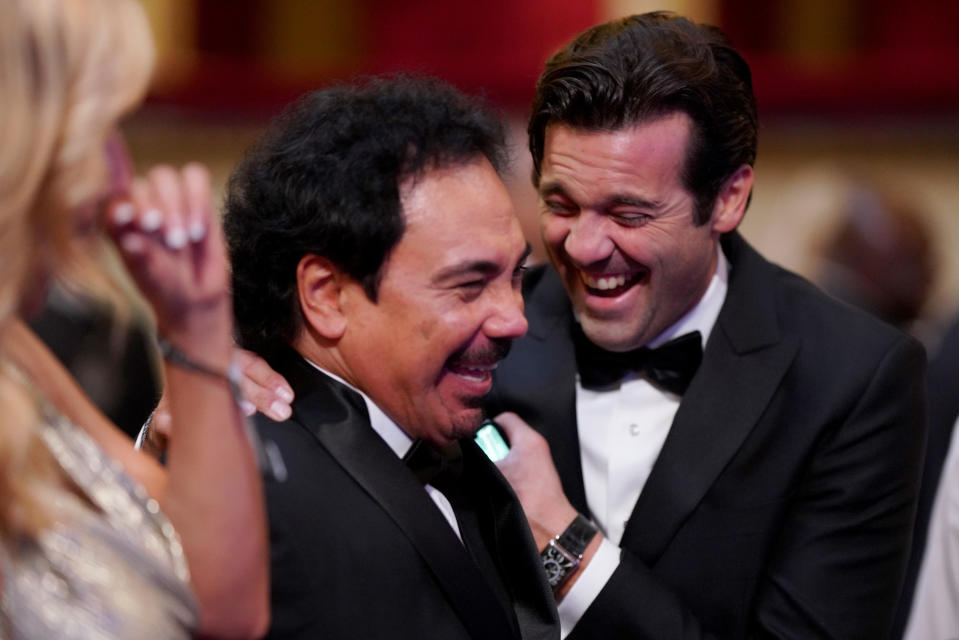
113 570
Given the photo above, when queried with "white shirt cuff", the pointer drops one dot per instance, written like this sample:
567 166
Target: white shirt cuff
590 582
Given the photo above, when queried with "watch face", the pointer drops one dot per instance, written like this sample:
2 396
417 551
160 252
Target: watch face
556 565
553 571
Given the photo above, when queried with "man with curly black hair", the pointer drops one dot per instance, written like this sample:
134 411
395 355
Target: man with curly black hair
377 265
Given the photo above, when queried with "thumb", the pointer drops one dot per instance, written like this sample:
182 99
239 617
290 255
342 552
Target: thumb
512 425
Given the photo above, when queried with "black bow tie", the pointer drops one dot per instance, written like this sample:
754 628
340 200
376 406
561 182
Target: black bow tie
431 465
670 366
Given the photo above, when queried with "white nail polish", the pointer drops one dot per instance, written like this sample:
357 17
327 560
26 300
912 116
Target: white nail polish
197 231
176 238
280 409
123 213
152 219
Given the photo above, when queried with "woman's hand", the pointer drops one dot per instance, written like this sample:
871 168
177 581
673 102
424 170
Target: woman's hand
173 246
264 389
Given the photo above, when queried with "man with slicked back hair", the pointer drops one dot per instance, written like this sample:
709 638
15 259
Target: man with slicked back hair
723 450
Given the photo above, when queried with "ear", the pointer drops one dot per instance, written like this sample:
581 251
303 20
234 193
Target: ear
732 199
318 284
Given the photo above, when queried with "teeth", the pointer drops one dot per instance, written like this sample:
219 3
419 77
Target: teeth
482 368
604 284
476 372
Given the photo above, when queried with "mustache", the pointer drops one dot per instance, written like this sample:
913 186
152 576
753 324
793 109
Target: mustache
493 351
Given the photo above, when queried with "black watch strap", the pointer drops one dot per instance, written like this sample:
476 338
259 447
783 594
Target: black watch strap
577 536
562 555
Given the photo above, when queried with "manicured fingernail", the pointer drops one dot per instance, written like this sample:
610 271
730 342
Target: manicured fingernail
284 394
132 243
247 407
123 213
152 219
197 231
280 410
176 238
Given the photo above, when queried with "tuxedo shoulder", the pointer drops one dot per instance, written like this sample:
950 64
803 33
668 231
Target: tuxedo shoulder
813 315
545 298
308 464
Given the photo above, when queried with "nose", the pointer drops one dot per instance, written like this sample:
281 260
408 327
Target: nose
507 319
587 241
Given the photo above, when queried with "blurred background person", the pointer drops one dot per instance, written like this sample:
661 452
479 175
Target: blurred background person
96 540
880 257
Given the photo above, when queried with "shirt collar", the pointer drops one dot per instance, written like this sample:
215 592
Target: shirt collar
391 433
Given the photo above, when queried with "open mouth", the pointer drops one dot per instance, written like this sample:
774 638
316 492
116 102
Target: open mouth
612 285
473 372
475 365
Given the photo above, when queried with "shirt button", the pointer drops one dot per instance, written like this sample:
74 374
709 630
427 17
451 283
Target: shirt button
634 429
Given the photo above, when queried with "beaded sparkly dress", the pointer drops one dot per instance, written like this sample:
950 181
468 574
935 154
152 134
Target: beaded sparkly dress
110 567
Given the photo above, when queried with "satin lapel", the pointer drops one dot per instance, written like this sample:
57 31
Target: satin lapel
511 545
337 417
743 364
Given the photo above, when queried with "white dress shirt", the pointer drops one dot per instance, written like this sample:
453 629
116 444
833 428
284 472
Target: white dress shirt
935 607
400 443
621 432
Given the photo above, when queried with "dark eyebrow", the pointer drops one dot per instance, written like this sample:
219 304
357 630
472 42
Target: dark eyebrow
555 188
633 201
552 189
484 267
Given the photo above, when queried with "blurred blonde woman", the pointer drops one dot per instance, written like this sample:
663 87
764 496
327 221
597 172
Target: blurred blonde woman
96 539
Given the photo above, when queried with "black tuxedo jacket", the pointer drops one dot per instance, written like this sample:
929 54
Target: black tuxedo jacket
359 550
782 500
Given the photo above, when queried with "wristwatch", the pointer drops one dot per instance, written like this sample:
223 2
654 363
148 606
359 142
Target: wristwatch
564 552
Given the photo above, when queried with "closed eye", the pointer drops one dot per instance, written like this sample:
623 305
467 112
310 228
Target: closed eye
630 219
471 289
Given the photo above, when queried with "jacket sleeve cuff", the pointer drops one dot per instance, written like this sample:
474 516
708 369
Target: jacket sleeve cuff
588 585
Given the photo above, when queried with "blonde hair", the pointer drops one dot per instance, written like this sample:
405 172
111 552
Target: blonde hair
69 69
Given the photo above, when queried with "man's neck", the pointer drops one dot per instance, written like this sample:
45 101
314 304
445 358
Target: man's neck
324 357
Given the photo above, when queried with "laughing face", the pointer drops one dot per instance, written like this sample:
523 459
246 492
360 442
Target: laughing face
448 306
618 224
